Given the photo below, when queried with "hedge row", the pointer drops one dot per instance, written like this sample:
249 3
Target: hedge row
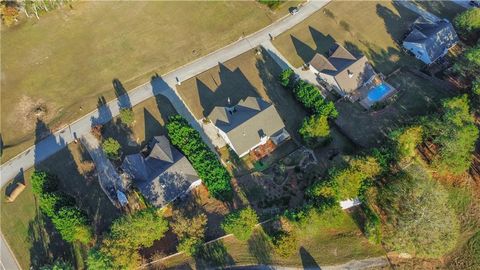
188 140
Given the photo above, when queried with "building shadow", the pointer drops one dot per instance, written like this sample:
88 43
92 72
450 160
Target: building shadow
308 262
303 50
323 42
232 87
291 112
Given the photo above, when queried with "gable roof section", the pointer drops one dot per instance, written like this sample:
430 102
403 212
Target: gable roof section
435 37
163 175
248 121
349 72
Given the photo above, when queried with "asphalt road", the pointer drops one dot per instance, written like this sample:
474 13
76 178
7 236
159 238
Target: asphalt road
160 85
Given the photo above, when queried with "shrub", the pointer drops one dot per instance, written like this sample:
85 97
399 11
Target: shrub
420 220
50 203
127 116
240 223
272 4
406 141
286 76
70 222
213 174
311 98
111 147
42 182
314 127
285 244
8 12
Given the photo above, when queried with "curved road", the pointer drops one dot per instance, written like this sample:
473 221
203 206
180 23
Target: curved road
160 85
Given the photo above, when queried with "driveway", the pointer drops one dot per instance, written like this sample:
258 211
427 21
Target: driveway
158 85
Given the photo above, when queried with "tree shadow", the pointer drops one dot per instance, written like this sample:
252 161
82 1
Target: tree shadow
121 94
308 262
213 255
260 247
232 87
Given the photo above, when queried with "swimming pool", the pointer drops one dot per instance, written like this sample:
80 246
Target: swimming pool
379 92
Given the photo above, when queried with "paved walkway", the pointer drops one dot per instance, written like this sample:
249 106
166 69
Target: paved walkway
107 175
161 85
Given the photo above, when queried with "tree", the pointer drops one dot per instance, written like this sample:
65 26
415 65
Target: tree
58 265
476 87
98 260
311 98
129 233
420 220
111 147
468 22
140 229
314 127
190 232
71 223
456 134
468 64
42 182
240 223
8 12
406 141
50 203
285 244
127 116
286 77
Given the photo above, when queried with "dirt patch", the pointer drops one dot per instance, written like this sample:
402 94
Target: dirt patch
28 111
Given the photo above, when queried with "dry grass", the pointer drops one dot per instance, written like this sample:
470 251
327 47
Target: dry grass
31 236
371 27
69 57
416 97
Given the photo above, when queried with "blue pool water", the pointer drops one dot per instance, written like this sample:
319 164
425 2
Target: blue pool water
378 92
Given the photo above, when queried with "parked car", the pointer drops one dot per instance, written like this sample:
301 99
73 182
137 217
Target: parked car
294 11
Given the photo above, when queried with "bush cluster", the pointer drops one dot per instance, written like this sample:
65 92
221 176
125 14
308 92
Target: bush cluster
213 174
69 221
316 126
240 223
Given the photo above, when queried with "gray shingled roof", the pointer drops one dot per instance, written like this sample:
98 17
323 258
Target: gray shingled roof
163 175
436 37
247 122
349 72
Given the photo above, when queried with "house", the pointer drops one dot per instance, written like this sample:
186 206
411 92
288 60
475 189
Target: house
162 175
429 40
342 71
248 125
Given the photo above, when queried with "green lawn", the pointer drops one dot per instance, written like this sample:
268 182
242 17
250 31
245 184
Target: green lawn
371 27
323 241
31 236
416 97
63 62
